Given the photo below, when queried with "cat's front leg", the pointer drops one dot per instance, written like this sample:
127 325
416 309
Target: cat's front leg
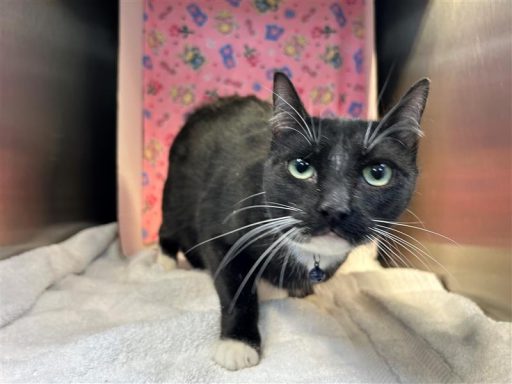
240 342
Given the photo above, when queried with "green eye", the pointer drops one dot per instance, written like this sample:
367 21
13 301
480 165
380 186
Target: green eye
377 175
301 169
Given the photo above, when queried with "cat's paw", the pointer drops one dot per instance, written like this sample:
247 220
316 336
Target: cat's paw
163 261
235 355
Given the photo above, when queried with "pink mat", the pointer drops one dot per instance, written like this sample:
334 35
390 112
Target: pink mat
197 51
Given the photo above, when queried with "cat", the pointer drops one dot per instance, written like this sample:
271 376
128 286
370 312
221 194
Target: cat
266 191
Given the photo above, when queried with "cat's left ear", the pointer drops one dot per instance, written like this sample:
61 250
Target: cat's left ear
288 108
403 120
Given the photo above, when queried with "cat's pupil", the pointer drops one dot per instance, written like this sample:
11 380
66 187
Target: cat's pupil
301 165
378 171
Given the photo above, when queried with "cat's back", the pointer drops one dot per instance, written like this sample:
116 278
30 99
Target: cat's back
229 107
223 124
213 163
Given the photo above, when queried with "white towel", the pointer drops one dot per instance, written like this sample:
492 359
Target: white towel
132 322
24 277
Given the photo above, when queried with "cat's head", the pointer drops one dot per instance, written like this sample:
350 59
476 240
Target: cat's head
338 174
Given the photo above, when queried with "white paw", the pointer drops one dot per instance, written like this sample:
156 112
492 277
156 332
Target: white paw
163 261
235 355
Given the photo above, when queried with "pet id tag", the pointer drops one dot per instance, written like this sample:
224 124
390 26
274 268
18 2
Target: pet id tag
317 274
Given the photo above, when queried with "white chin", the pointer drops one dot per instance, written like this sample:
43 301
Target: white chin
326 245
330 248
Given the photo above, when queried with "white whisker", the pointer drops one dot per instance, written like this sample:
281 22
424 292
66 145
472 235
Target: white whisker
367 135
275 244
233 231
389 131
386 253
379 99
298 114
249 197
386 245
319 130
277 117
283 268
396 245
300 133
388 236
415 227
416 217
258 206
411 248
250 238
284 205
375 240
315 133
269 259
385 229
381 123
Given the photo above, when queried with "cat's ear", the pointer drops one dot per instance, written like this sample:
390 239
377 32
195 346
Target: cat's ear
411 105
288 108
402 122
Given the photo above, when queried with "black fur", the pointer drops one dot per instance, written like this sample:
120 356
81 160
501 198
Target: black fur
229 150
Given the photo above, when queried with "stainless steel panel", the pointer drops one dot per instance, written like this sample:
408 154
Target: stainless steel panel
57 118
465 185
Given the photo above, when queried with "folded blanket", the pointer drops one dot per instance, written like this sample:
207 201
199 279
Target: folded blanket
80 312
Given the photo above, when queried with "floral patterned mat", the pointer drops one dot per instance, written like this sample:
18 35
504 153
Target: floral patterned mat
197 51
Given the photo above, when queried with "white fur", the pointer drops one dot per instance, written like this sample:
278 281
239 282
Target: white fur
330 248
234 355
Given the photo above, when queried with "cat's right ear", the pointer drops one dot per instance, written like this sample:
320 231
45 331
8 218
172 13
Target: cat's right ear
402 122
288 108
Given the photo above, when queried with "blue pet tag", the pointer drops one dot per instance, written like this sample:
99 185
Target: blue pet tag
317 275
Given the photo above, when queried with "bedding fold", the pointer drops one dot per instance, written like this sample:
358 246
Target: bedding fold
80 311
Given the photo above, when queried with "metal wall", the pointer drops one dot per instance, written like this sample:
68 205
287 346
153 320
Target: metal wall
57 118
464 190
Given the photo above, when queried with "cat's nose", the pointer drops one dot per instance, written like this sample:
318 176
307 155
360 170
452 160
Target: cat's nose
333 214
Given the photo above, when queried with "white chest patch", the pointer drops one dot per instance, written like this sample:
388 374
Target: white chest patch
329 248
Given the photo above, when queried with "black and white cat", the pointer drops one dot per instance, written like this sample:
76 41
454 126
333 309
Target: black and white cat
259 191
